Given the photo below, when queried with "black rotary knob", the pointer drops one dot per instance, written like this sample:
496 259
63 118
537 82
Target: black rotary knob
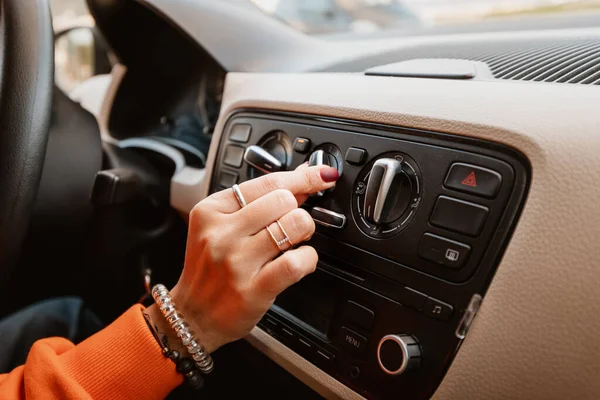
271 154
263 160
398 354
327 154
388 192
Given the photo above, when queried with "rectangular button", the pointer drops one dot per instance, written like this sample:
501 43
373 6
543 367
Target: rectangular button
234 156
288 333
438 309
353 342
473 179
325 356
305 343
328 218
358 315
227 179
301 145
240 133
413 299
443 251
459 216
271 323
356 156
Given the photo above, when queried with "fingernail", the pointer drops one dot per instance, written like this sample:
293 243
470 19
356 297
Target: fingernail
329 174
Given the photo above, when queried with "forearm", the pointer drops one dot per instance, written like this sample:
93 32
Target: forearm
235 267
122 361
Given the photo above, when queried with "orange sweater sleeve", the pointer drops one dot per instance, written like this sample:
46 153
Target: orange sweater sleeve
123 361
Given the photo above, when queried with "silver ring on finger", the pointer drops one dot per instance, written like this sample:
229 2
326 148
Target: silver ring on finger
239 196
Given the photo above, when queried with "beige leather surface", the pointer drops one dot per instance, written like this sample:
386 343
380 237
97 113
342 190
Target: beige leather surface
537 335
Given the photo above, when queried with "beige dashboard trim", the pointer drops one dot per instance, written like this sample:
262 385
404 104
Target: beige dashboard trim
312 376
536 335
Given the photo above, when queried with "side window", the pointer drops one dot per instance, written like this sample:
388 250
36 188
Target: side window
80 52
69 13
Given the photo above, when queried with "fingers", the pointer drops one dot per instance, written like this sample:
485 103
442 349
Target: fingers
286 270
260 213
301 198
299 227
302 181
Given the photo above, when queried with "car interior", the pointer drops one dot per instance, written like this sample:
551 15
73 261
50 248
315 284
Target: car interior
456 251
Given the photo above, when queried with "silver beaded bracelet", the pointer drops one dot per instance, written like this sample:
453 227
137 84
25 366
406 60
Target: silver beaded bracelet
169 310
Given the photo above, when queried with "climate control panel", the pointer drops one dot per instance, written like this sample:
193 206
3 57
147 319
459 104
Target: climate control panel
409 235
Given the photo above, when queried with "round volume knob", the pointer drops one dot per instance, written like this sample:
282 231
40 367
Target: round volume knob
397 354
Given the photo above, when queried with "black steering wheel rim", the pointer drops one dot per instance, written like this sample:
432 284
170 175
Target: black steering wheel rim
26 80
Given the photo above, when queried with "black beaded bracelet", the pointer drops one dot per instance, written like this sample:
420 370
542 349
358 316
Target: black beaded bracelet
184 365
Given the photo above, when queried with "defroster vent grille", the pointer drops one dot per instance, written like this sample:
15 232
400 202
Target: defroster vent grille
577 63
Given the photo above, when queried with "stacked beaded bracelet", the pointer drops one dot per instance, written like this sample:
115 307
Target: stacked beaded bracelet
184 365
169 310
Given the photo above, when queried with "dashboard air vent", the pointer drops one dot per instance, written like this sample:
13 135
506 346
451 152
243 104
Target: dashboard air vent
566 63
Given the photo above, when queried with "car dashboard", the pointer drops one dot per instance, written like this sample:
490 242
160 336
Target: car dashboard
456 252
524 288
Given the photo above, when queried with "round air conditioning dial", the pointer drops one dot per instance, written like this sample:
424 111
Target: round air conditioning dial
387 195
273 153
326 154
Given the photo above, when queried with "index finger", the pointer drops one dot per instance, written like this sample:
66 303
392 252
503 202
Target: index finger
300 182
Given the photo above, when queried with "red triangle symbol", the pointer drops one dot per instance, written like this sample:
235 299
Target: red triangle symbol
470 180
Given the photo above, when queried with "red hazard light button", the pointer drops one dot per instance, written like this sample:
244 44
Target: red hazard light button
474 180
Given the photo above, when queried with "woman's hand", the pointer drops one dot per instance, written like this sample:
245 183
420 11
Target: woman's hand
232 273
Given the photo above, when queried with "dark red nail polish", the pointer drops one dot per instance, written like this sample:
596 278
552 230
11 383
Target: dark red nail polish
329 174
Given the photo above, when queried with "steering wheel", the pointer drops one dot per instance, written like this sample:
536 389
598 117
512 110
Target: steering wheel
26 81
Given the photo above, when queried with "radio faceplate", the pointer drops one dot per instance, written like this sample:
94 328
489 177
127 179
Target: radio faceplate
413 229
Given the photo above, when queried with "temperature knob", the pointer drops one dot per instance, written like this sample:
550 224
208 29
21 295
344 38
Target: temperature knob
388 192
398 354
271 154
327 154
262 160
387 195
320 157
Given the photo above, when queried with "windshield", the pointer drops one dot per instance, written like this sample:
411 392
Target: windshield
352 18
349 19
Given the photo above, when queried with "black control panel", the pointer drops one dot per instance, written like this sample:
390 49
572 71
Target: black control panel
411 232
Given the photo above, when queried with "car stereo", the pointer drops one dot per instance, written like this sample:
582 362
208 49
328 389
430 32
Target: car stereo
408 241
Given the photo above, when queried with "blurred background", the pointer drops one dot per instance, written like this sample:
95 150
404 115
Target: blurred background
77 51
